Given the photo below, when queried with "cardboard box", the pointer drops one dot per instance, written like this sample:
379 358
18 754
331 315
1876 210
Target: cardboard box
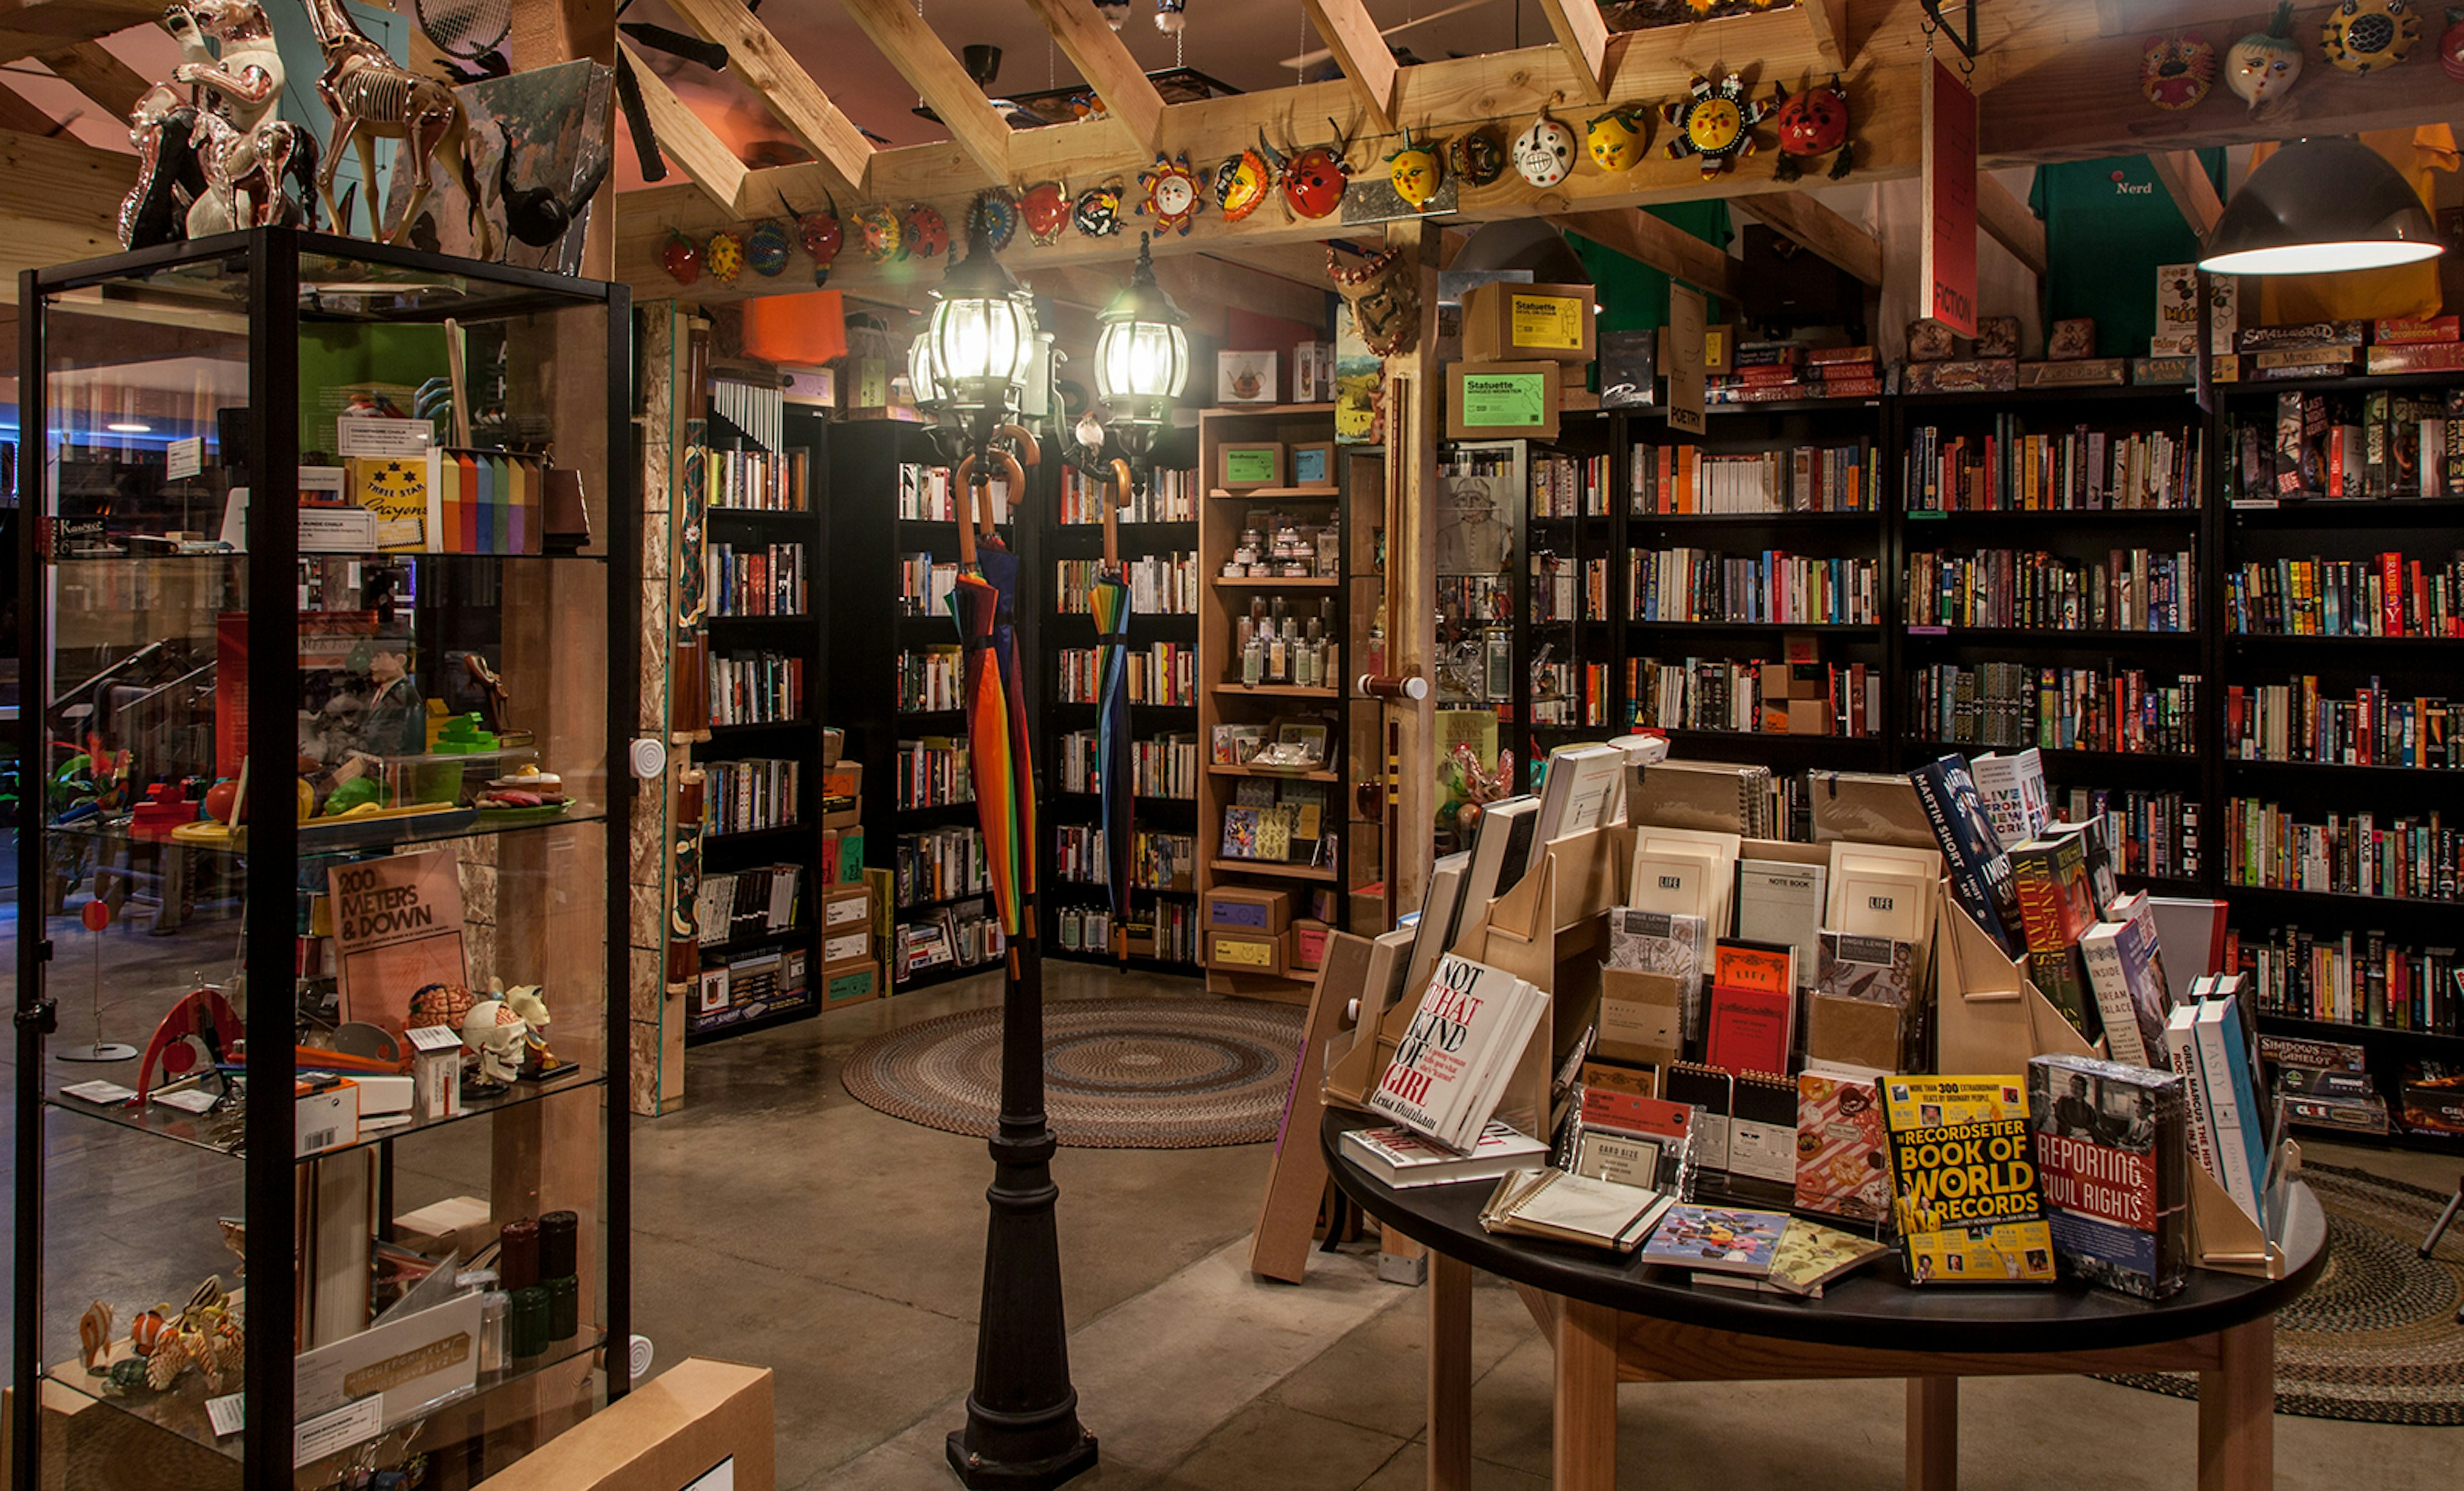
327 1119
850 944
675 1432
842 812
1243 909
849 982
456 1224
846 908
1502 401
833 745
1855 1031
1808 717
842 779
1246 952
1643 1017
435 1073
1309 944
1510 322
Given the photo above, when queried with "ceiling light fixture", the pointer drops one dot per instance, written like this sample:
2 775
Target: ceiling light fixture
2319 207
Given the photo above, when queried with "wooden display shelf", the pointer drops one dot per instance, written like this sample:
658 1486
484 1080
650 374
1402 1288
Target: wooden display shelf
1275 867
1214 769
1272 691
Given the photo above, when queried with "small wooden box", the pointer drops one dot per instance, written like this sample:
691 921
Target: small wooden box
1246 952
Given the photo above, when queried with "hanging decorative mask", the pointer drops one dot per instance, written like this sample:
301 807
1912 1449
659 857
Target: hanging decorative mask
1545 152
2263 66
1098 213
2451 44
2177 69
1243 182
996 209
1314 181
682 258
766 248
1114 12
822 239
2363 36
878 233
1715 122
1384 299
1812 124
1475 156
1045 209
1416 172
724 256
1171 193
1616 139
922 232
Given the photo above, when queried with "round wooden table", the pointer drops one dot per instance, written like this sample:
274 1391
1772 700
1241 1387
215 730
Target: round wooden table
1614 1318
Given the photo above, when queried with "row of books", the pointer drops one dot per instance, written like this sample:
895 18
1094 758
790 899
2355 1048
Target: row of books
755 479
765 581
1157 861
757 983
933 773
1739 696
1476 597
2077 470
1561 592
963 936
735 905
2296 721
1160 585
925 494
929 677
750 794
1677 480
2154 835
2378 446
756 689
1283 822
1170 496
2134 590
1159 672
1161 766
2352 979
925 585
1567 487
2407 857
2105 707
2384 596
436 501
1557 698
1682 584
1166 931
938 864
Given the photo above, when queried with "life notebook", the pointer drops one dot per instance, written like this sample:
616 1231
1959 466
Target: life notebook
1781 902
1716 1239
1717 851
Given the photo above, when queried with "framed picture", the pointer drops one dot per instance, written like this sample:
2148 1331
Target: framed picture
1246 466
1312 465
1245 377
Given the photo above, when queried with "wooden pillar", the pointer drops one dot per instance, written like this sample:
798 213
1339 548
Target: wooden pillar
1587 1373
1415 418
658 1019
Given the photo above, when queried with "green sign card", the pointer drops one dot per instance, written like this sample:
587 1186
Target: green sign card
1250 466
1505 400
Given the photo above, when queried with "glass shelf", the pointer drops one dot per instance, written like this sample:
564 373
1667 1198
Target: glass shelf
219 1133
349 835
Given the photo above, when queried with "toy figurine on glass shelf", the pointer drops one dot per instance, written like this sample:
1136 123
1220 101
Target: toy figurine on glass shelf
373 98
1471 786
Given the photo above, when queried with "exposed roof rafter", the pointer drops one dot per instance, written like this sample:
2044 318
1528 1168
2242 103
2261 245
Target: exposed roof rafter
916 51
1352 34
1104 61
781 82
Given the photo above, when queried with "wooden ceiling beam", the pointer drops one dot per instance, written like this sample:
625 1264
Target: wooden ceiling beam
2011 223
1352 34
1646 239
916 51
61 200
1584 37
1795 215
715 172
1827 21
22 117
2186 180
39 26
1103 60
90 68
755 55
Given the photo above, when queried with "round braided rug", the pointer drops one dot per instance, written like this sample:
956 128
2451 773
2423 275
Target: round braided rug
2375 1338
1119 1073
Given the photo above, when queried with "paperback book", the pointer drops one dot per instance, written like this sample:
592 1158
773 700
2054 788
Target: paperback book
1841 1158
2127 972
2112 1152
1964 1196
1717 1239
2055 910
1404 1160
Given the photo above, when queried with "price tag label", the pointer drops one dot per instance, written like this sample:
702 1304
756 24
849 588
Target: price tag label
183 458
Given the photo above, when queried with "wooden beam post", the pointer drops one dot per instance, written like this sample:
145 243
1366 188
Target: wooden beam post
1352 34
61 200
1416 415
1837 240
1828 22
2011 223
915 49
1585 39
22 117
94 71
755 55
684 139
1643 237
39 26
1101 57
2186 180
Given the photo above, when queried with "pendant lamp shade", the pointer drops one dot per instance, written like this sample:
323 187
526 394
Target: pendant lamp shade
1142 353
2317 207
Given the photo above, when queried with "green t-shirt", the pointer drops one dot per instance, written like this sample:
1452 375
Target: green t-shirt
2109 225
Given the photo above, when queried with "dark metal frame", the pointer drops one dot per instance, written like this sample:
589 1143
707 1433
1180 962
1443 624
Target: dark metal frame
272 258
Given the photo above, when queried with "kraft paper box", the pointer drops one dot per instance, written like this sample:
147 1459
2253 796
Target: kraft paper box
1854 1031
846 908
1510 322
702 1422
1643 1017
842 779
850 945
849 982
833 745
1868 808
1502 401
1713 796
1308 944
1238 908
1609 1077
1808 717
1246 952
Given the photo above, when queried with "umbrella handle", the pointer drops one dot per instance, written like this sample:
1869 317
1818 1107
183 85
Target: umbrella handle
1111 528
966 511
1017 480
1025 439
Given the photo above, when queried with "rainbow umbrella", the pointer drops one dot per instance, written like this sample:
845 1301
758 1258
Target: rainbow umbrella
975 605
1110 602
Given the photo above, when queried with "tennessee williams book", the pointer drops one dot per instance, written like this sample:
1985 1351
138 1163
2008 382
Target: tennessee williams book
1964 1192
2055 910
1972 855
2112 1152
1454 1061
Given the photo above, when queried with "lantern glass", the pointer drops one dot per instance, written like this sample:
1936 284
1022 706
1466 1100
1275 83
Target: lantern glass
979 348
922 385
1140 361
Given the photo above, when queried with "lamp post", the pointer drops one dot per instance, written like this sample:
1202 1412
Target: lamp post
1021 1431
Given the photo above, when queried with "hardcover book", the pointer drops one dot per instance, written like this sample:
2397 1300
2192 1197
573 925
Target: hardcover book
1750 1019
2110 1149
1718 1239
1811 1255
1972 855
1240 827
1550 1203
2017 800
1876 969
2128 975
1841 1164
1963 1193
1454 1059
2055 910
1404 1160
397 929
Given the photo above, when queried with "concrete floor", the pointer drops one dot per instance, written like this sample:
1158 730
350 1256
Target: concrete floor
778 1221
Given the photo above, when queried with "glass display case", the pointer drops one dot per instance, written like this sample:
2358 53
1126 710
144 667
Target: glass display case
330 638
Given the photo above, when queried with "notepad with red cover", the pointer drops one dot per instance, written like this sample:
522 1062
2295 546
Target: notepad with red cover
1752 1005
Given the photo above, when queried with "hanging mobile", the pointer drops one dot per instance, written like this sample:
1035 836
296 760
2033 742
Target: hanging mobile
97 916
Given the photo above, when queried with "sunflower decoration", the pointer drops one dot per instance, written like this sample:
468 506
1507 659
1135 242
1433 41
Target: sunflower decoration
1417 172
995 211
1098 211
1171 193
2361 36
1243 182
724 256
878 233
1616 139
1477 156
1715 122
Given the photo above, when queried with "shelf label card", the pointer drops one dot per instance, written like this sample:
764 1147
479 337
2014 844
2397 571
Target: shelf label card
184 458
1248 467
227 1413
317 1437
364 434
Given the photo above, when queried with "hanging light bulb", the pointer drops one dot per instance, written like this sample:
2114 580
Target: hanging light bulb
1168 19
1114 12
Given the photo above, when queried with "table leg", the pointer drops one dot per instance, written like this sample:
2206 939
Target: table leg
1586 1354
1449 1373
2237 1412
1933 1434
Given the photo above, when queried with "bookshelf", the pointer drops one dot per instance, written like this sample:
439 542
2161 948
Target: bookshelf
1261 703
1158 538
766 522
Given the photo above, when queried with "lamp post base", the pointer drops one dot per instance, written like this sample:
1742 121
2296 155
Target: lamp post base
978 1471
